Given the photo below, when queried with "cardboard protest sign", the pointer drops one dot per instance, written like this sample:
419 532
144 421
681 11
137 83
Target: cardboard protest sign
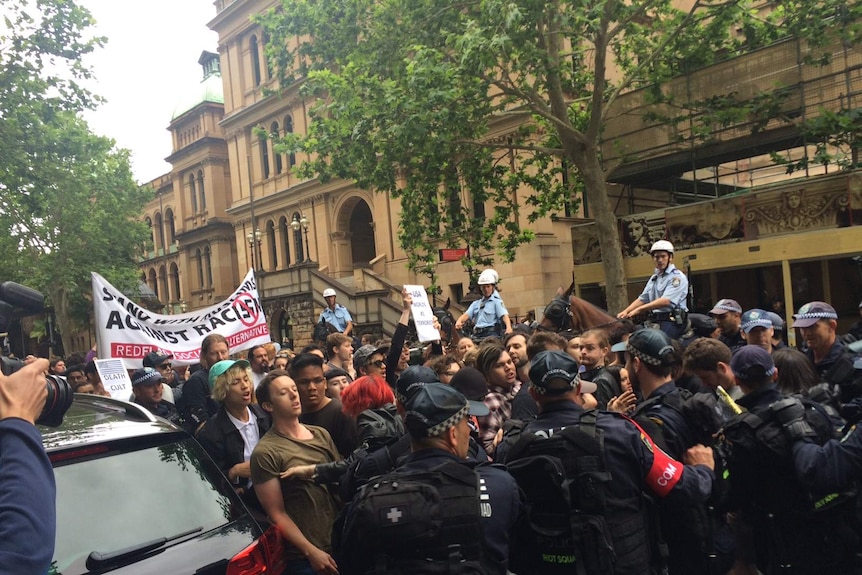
128 331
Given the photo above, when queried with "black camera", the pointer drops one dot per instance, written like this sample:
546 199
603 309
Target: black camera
18 301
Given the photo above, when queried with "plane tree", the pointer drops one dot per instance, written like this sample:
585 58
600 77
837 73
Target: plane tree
450 106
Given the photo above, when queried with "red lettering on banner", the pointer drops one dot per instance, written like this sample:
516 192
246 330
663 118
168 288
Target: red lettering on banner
240 338
665 471
132 350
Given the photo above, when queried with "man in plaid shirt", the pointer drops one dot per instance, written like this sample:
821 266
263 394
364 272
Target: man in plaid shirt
499 370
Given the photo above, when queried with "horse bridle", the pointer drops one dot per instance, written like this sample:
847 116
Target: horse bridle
561 321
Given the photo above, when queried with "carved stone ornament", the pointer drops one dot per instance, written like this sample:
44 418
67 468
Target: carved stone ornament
793 211
585 244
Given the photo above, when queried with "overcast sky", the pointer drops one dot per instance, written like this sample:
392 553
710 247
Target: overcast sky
149 61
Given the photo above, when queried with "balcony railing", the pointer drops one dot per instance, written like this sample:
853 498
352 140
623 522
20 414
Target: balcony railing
795 207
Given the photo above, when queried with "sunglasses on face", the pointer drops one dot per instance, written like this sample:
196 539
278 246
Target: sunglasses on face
379 363
165 366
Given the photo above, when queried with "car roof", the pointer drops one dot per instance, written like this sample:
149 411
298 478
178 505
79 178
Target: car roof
95 419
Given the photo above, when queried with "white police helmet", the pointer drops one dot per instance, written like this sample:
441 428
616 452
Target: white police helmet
328 292
662 246
488 277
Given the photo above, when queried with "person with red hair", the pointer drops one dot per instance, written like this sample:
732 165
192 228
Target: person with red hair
367 392
369 400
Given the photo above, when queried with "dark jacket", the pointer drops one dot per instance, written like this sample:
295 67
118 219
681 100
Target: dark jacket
837 368
377 427
198 404
223 441
500 498
791 491
28 514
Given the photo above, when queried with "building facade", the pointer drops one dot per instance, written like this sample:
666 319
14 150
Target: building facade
745 227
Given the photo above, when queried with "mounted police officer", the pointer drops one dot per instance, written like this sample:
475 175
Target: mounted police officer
791 482
488 314
335 314
436 512
594 518
664 295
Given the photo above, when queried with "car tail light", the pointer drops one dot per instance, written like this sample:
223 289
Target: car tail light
266 555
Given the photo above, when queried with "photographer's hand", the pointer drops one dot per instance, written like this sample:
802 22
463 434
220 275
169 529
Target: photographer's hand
23 393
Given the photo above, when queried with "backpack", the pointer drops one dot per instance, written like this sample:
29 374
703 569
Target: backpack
564 481
424 522
795 523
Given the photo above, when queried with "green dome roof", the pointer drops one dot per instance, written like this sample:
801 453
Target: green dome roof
210 89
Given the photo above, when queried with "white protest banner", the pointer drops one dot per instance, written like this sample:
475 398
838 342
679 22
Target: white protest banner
423 315
128 331
115 378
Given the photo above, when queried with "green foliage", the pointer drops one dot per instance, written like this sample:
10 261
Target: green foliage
432 101
836 137
67 197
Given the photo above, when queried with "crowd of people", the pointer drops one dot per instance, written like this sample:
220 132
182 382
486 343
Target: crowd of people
619 449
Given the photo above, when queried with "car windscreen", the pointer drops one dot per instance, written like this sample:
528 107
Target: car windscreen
125 497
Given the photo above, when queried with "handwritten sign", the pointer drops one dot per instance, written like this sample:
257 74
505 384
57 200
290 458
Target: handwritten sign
115 378
423 315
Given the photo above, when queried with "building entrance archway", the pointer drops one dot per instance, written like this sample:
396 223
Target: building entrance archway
356 227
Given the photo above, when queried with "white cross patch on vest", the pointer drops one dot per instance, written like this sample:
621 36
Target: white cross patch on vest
394 515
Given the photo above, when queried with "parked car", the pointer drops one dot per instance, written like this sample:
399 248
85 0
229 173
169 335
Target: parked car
137 494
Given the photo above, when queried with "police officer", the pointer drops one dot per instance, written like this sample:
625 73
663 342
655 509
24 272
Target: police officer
728 316
778 329
488 314
664 295
437 421
634 461
335 313
697 538
818 322
756 327
794 494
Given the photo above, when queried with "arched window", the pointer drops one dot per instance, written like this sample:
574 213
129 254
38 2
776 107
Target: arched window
273 131
264 156
152 236
163 284
160 233
172 226
272 243
208 264
199 260
201 190
288 129
153 283
297 240
254 50
175 281
193 193
285 237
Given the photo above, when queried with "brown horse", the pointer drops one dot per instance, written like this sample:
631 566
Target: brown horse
568 312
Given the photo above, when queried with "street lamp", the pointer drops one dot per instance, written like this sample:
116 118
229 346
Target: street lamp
302 222
254 239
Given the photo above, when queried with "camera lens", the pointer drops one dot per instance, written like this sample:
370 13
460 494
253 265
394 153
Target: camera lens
60 396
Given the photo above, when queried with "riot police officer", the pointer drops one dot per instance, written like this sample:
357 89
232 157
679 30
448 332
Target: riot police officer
636 464
664 295
391 526
790 480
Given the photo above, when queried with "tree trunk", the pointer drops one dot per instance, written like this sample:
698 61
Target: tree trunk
586 159
65 325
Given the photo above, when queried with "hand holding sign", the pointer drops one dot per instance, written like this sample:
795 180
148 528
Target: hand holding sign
423 315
